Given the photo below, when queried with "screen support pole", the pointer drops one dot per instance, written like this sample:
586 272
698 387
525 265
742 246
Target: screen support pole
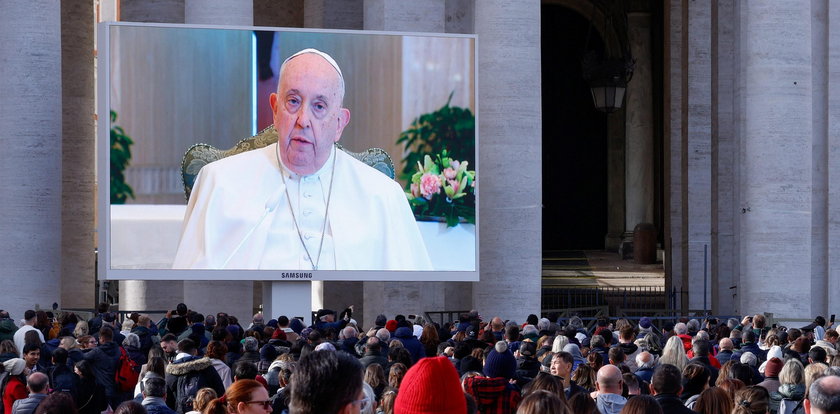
289 298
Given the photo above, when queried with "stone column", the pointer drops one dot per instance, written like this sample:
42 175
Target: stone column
639 128
30 159
142 295
334 14
392 298
417 16
460 16
724 155
698 156
233 297
152 11
277 13
675 264
78 156
833 153
222 12
510 128
776 166
820 226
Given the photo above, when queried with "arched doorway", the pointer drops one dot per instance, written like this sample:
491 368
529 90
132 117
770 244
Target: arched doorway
574 137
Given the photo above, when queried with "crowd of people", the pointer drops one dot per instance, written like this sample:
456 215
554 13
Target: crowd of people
187 362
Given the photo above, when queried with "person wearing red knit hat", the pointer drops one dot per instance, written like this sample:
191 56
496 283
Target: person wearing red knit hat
424 386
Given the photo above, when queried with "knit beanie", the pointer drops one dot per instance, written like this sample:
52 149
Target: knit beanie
381 320
391 326
500 362
14 366
424 386
268 353
773 367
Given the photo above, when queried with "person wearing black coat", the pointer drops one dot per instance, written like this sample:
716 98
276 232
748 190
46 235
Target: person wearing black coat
62 378
372 354
90 397
187 375
104 359
666 386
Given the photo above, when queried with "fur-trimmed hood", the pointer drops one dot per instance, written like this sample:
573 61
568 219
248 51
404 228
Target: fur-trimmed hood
187 365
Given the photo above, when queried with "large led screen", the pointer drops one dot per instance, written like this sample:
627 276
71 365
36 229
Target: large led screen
225 153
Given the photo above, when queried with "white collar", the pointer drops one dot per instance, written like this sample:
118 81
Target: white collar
326 168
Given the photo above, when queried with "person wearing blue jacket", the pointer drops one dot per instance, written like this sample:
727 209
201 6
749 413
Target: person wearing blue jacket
405 334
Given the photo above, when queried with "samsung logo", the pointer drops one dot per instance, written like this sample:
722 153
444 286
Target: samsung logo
296 275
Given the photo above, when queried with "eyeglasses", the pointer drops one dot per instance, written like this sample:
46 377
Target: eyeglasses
265 404
363 403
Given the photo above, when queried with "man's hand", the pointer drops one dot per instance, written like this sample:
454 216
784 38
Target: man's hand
746 321
371 332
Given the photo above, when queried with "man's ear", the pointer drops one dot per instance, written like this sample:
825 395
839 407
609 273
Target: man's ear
807 404
343 120
652 391
272 100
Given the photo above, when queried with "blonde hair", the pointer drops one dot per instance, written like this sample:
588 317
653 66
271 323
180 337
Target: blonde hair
203 398
792 372
674 353
560 342
396 374
814 372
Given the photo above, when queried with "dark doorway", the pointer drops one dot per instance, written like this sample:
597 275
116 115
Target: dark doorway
574 137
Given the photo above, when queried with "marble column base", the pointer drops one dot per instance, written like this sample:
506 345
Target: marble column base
625 249
612 241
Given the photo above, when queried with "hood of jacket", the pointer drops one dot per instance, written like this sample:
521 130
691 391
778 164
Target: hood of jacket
792 391
187 365
140 331
7 326
110 348
628 348
404 333
610 403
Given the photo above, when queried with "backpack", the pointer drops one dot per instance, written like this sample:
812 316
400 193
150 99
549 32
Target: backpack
127 373
187 387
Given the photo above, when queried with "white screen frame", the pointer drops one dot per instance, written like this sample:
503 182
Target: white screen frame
106 272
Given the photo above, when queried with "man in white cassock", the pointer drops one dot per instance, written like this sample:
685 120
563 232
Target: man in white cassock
300 204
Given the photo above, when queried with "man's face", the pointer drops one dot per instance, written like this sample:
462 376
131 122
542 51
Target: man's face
307 113
560 368
169 346
32 357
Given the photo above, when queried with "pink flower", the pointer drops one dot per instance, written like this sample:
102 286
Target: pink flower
455 185
415 190
450 173
429 185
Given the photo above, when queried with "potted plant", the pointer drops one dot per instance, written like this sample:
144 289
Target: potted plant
440 148
120 157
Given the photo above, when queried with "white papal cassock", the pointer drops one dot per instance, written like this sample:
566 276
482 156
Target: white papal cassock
238 218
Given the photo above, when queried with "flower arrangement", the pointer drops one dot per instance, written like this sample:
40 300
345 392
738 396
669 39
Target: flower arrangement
443 187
